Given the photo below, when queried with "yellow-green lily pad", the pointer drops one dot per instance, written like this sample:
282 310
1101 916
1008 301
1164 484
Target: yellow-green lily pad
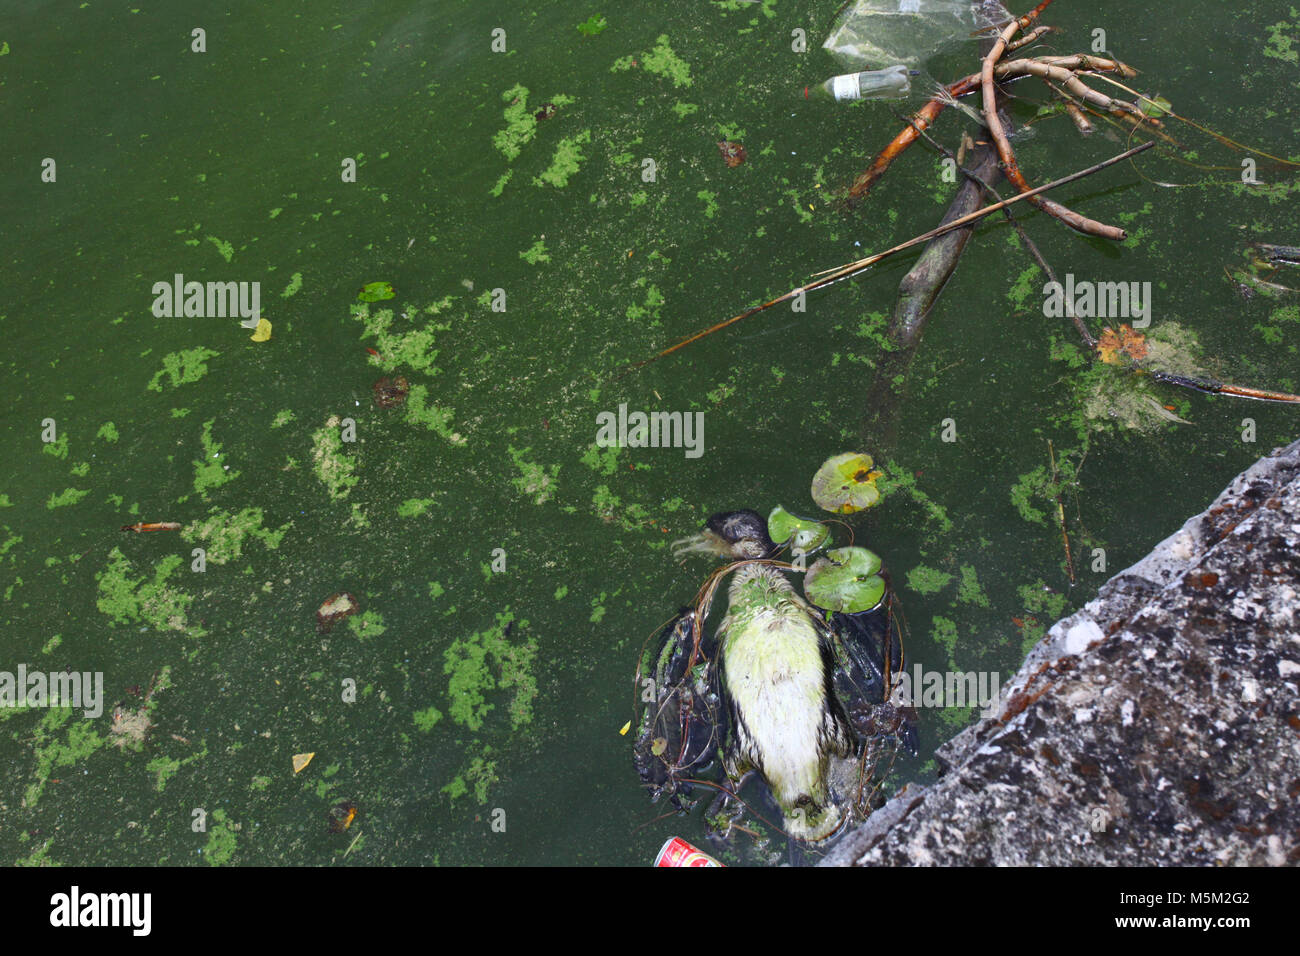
802 534
846 483
846 580
376 292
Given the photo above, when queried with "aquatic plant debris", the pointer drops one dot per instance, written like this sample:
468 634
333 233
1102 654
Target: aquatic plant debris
802 534
846 580
182 367
376 292
846 483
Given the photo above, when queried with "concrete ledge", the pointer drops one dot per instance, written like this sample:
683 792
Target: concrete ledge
1158 725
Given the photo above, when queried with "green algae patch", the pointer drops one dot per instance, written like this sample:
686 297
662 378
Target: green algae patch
367 624
925 580
1025 286
69 496
209 472
593 25
376 292
282 418
535 253
662 61
567 161
433 417
521 125
897 479
944 633
5 502
521 122
603 461
295 283
535 481
336 471
412 347
414 507
182 368
58 448
1281 45
223 533
163 769
221 839
479 775
226 249
108 432
968 588
54 749
128 598
488 661
710 202
425 720
1033 485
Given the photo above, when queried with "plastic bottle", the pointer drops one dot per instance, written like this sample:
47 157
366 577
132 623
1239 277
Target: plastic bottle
893 82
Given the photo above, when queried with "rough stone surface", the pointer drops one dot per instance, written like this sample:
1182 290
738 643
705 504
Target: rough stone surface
1159 725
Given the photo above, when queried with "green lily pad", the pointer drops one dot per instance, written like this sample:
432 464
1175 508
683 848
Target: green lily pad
846 483
376 292
803 534
1155 105
846 580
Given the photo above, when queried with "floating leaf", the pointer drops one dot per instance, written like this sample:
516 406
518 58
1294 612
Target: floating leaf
1119 348
624 729
659 746
592 25
376 292
341 816
846 483
846 580
1155 105
301 760
263 331
803 534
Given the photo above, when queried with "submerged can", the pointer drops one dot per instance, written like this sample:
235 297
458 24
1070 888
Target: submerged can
677 852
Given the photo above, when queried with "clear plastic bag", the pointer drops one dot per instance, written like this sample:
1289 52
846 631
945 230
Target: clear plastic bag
872 34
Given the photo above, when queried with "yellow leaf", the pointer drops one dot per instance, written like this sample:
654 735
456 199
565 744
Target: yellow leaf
263 331
625 728
301 760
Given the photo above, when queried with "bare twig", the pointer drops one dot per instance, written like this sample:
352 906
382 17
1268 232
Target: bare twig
829 276
1010 168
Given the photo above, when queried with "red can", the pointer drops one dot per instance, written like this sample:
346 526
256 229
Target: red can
677 852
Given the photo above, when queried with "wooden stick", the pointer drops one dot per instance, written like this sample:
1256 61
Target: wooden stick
927 114
1010 168
1218 388
853 268
1060 513
1089 340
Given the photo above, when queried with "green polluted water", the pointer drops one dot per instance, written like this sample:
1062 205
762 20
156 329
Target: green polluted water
507 569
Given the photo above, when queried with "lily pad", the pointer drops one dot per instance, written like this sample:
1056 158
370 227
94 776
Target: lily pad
1155 105
846 580
846 483
376 292
803 534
